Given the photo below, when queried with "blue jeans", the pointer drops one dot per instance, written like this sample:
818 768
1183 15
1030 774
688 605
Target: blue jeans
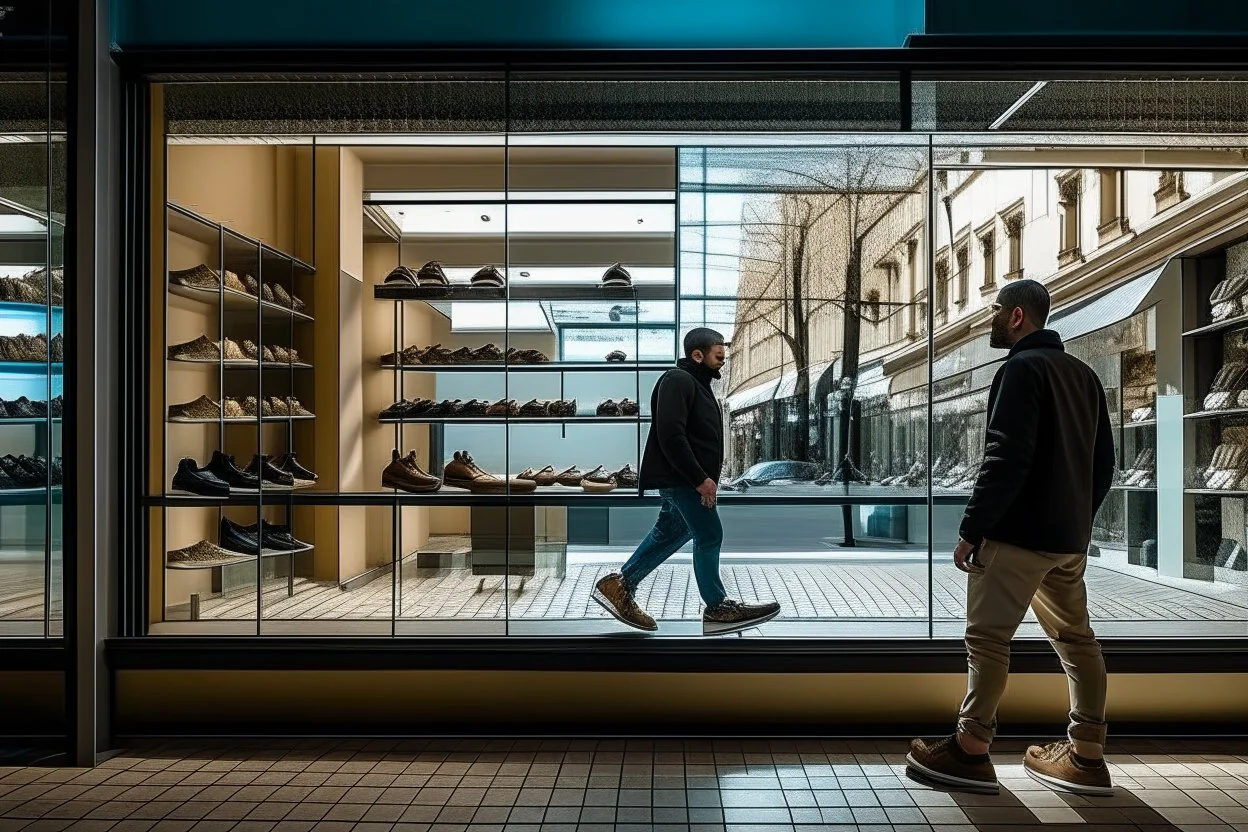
681 519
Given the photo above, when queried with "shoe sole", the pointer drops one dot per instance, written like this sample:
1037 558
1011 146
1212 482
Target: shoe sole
1066 786
606 605
931 777
408 487
711 628
597 487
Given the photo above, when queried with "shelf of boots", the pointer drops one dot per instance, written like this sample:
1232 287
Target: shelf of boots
1227 413
26 309
32 368
242 365
30 496
544 367
235 300
187 223
246 420
519 290
513 420
1218 328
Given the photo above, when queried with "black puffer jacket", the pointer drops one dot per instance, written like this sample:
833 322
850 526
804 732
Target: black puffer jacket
1049 454
686 442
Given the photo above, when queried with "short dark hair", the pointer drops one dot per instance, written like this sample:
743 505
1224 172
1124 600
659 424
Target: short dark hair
702 339
1028 295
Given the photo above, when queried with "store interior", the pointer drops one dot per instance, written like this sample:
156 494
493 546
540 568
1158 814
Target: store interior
400 384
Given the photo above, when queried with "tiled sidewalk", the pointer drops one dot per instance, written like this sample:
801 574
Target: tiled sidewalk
606 786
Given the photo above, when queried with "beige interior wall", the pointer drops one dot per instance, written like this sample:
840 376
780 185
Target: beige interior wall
242 186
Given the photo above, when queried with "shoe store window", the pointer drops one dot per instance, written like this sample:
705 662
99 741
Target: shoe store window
32 352
404 363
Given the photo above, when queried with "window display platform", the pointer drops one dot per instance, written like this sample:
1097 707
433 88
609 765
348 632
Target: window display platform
877 587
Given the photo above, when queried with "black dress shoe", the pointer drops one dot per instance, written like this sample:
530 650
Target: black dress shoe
233 537
195 480
290 465
224 469
264 469
274 536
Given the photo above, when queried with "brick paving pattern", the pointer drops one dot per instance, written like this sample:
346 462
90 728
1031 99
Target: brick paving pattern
607 786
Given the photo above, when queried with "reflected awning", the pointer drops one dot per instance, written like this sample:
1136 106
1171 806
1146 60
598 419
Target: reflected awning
752 396
1107 308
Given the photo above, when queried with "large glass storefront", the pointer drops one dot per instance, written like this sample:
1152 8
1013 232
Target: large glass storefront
414 324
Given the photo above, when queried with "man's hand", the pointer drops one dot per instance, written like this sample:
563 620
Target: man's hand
707 491
961 555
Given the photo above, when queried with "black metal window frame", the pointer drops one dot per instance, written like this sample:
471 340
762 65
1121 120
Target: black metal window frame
967 59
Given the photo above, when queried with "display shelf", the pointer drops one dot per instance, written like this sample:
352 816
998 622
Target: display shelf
32 368
525 291
217 564
1143 423
29 496
1217 414
1229 325
242 365
547 367
514 420
249 420
22 308
1216 492
28 420
235 300
1141 488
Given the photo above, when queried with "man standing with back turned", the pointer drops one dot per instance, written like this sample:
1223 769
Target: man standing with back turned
683 457
1048 464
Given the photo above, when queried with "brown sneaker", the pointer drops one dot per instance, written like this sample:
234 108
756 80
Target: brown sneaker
1055 765
463 472
612 595
404 474
944 764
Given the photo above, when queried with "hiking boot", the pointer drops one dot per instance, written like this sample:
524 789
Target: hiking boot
944 763
1057 765
732 616
612 595
404 474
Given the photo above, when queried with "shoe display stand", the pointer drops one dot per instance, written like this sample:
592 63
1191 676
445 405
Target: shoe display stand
1127 522
1215 352
253 408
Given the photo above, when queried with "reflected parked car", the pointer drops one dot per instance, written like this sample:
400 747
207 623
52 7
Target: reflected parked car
778 472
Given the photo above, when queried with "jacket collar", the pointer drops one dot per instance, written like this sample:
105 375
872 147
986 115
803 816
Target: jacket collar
698 371
1041 339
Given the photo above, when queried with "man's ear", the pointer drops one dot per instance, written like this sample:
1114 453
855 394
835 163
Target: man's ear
698 356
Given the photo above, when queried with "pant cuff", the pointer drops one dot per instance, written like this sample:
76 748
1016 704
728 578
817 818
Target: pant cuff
977 729
1087 732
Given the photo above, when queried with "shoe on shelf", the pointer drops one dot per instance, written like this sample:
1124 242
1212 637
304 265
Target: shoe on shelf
290 464
609 408
231 536
626 477
404 474
487 354
534 407
518 356
616 277
563 408
270 475
282 296
1057 765
233 283
24 408
488 277
599 481
474 407
431 275
444 409
225 469
463 355
463 472
294 407
943 763
732 616
570 477
273 536
503 408
401 275
202 552
437 354
196 277
251 286
542 476
192 479
198 410
612 595
617 355
628 407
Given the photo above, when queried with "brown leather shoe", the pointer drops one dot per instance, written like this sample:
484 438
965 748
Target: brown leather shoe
541 476
570 477
940 763
612 595
599 481
462 472
1055 765
404 474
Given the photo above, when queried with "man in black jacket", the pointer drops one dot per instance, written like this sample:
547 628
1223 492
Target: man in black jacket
683 457
1048 464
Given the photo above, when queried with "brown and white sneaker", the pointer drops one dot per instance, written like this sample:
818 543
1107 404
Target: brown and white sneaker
614 596
943 763
1056 765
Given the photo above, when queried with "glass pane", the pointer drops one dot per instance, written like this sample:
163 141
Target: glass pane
31 360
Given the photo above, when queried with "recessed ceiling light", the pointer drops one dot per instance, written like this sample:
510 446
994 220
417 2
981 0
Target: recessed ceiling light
525 274
485 218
